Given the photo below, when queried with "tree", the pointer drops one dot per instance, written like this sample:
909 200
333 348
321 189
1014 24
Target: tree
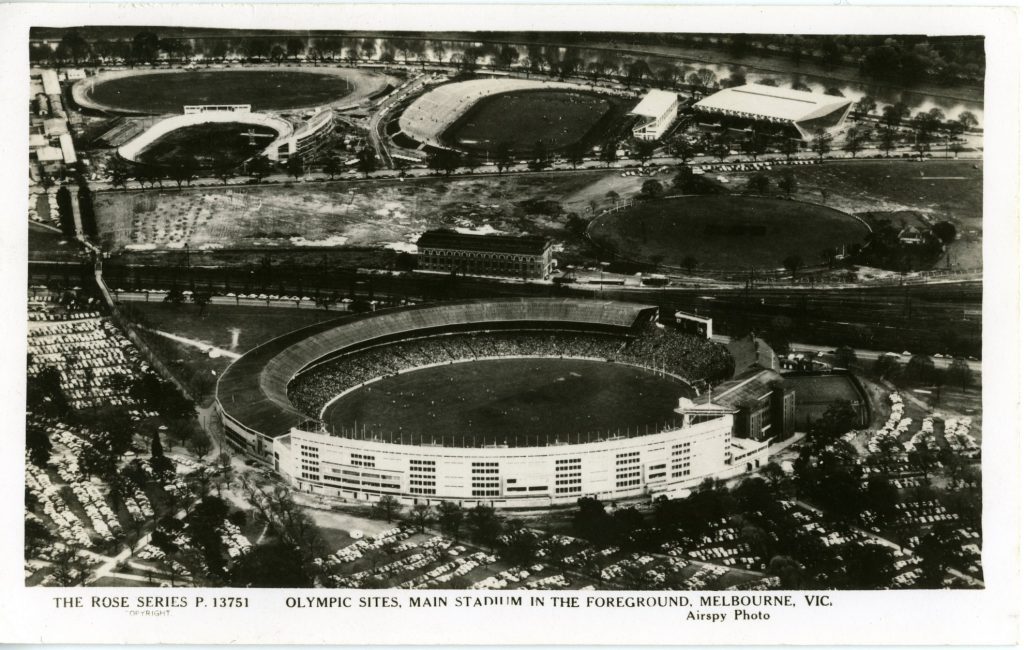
920 369
789 147
689 263
893 115
838 419
787 183
886 366
853 144
887 141
295 46
822 143
759 184
959 372
609 153
332 166
755 145
681 148
260 167
69 568
651 189
96 460
38 444
704 79
845 357
73 47
275 565
865 106
118 174
945 232
450 517
503 157
295 166
720 147
421 516
443 160
366 161
145 47
575 153
387 508
967 120
199 444
793 264
484 525
644 150
541 159
184 171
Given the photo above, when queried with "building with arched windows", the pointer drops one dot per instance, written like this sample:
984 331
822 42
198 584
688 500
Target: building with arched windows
491 255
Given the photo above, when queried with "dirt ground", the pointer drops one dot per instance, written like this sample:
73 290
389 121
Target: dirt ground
390 214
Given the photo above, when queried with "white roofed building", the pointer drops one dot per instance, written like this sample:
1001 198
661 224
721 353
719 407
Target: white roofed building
795 112
659 109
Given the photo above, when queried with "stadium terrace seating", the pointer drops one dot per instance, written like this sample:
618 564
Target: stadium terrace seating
427 118
253 391
677 353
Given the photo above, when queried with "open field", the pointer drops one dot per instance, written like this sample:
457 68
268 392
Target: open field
255 325
507 398
380 214
264 89
556 118
212 145
45 244
937 190
724 232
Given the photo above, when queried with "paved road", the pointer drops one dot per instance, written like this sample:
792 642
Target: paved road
871 355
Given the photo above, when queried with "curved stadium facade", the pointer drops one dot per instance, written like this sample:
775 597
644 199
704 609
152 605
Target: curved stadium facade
262 420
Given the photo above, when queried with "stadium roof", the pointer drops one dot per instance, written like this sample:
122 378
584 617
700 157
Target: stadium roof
772 102
655 103
737 393
253 391
530 245
751 353
51 85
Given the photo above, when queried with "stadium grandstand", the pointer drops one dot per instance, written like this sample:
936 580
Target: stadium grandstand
427 118
796 113
272 397
658 111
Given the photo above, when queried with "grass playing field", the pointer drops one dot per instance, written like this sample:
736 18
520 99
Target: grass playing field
938 189
212 145
510 399
725 232
521 119
263 89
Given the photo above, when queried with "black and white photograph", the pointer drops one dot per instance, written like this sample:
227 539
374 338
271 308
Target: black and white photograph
484 311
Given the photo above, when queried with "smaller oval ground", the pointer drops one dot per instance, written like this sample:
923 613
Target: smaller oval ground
727 232
212 145
168 92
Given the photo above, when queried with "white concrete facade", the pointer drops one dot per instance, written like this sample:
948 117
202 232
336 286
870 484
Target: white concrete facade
504 477
659 109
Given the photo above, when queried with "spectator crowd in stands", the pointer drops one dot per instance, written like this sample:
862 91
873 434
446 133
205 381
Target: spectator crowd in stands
657 348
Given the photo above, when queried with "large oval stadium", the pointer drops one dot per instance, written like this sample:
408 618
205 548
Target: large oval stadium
510 403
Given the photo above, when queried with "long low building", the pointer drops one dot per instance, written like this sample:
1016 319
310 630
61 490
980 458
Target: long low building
487 255
261 421
797 113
